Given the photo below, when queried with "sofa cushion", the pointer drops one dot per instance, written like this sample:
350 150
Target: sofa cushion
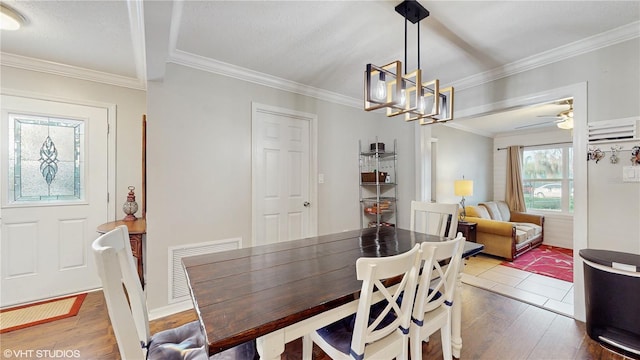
526 231
521 236
532 230
477 211
504 210
492 208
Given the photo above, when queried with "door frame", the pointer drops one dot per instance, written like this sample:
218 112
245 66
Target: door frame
111 138
578 92
313 162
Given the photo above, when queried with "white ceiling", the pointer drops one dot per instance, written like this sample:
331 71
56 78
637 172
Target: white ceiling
315 47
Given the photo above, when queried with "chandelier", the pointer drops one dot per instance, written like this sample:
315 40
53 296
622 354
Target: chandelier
405 92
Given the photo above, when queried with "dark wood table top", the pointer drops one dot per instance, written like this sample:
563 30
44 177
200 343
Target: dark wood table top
137 226
243 294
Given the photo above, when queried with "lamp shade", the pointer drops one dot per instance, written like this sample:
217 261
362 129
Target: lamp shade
463 187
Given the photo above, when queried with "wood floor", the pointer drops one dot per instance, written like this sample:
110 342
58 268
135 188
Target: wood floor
494 327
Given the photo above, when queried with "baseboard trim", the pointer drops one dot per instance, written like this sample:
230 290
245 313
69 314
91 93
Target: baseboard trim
170 309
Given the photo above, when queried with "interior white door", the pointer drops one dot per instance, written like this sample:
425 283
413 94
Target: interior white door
282 157
54 195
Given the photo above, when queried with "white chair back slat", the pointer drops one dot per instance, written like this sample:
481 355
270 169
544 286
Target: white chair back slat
435 294
434 218
123 292
372 272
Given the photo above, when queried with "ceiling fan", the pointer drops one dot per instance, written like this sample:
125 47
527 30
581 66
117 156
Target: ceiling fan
563 119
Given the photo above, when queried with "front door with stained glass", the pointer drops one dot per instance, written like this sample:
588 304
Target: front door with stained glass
54 187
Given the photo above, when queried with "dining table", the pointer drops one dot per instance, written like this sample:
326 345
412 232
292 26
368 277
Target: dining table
279 292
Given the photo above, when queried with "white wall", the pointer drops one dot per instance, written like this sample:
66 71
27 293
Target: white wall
461 153
558 228
130 106
199 162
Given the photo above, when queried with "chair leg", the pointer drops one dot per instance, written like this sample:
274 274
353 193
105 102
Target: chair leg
307 347
445 333
415 343
405 349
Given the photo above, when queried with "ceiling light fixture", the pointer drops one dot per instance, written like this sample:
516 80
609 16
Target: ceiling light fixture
10 19
566 117
405 93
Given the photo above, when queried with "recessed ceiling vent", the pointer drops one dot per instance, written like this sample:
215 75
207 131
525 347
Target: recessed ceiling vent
614 130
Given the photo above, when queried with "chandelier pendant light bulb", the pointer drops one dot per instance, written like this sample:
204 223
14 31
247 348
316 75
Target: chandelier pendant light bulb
405 93
381 88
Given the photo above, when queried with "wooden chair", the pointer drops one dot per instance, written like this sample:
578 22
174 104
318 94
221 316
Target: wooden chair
380 327
434 218
128 310
434 298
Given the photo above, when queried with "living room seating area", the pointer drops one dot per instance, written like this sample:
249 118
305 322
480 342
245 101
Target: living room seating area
503 232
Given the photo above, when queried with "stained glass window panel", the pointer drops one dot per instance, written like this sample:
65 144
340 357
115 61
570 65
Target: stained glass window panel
46 161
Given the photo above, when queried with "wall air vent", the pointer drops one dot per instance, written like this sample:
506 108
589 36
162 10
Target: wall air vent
178 287
614 130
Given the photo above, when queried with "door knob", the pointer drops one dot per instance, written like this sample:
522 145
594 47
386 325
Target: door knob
306 204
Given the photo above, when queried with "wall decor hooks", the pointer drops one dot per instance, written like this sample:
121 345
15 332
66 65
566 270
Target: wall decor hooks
595 154
635 155
614 154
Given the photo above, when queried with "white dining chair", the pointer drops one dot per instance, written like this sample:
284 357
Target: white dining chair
128 310
434 218
435 295
380 327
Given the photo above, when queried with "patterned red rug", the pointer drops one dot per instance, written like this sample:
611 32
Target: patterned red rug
546 260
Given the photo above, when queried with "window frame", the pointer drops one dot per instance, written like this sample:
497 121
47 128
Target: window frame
566 179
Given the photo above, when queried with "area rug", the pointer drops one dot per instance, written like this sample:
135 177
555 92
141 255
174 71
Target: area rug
546 260
23 316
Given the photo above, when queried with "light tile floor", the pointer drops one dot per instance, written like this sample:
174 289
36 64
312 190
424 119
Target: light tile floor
552 294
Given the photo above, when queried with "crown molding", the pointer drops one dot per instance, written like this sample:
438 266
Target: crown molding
611 37
608 38
218 67
136 24
54 68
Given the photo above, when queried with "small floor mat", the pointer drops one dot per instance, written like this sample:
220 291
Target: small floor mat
23 316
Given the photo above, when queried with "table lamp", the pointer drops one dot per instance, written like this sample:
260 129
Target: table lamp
463 188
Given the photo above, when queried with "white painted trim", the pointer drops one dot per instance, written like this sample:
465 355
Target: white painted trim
111 138
136 24
456 125
218 67
174 30
170 309
313 166
50 67
607 38
611 37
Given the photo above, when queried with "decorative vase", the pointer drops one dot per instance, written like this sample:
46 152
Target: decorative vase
131 206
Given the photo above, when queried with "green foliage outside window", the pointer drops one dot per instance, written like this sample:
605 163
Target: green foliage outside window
548 178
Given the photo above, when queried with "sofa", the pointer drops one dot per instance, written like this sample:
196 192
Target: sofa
505 233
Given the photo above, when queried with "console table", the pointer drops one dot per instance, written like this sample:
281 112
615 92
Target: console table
137 228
